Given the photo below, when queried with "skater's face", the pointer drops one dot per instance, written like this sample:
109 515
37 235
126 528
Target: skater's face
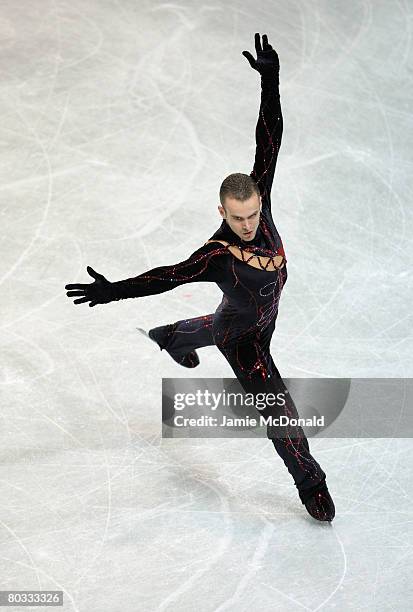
242 217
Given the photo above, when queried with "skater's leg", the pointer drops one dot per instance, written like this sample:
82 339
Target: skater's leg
180 339
290 441
293 448
257 373
255 369
189 334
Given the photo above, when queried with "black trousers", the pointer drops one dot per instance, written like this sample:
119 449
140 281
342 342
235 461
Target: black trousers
252 364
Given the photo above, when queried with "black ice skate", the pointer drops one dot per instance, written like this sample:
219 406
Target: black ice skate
318 502
161 335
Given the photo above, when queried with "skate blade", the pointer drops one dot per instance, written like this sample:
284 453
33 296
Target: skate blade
143 332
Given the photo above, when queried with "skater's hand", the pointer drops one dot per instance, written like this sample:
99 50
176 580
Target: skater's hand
267 62
98 292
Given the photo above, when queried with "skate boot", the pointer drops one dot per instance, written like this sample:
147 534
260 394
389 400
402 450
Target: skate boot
161 335
318 502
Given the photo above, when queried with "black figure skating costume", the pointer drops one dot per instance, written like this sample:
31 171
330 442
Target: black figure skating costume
251 275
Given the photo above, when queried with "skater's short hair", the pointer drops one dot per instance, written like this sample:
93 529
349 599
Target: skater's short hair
238 186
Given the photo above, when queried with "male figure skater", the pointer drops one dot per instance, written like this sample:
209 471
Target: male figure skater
246 259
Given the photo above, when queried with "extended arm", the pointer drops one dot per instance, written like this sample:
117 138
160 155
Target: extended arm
201 266
268 133
268 136
204 265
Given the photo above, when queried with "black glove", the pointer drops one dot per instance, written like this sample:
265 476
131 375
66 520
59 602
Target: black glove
99 292
267 62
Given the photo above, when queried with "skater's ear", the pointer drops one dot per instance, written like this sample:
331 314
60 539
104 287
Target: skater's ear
222 211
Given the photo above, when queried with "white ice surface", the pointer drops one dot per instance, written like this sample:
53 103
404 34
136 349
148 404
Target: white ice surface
119 121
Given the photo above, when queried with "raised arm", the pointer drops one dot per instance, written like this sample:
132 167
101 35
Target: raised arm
204 265
268 133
